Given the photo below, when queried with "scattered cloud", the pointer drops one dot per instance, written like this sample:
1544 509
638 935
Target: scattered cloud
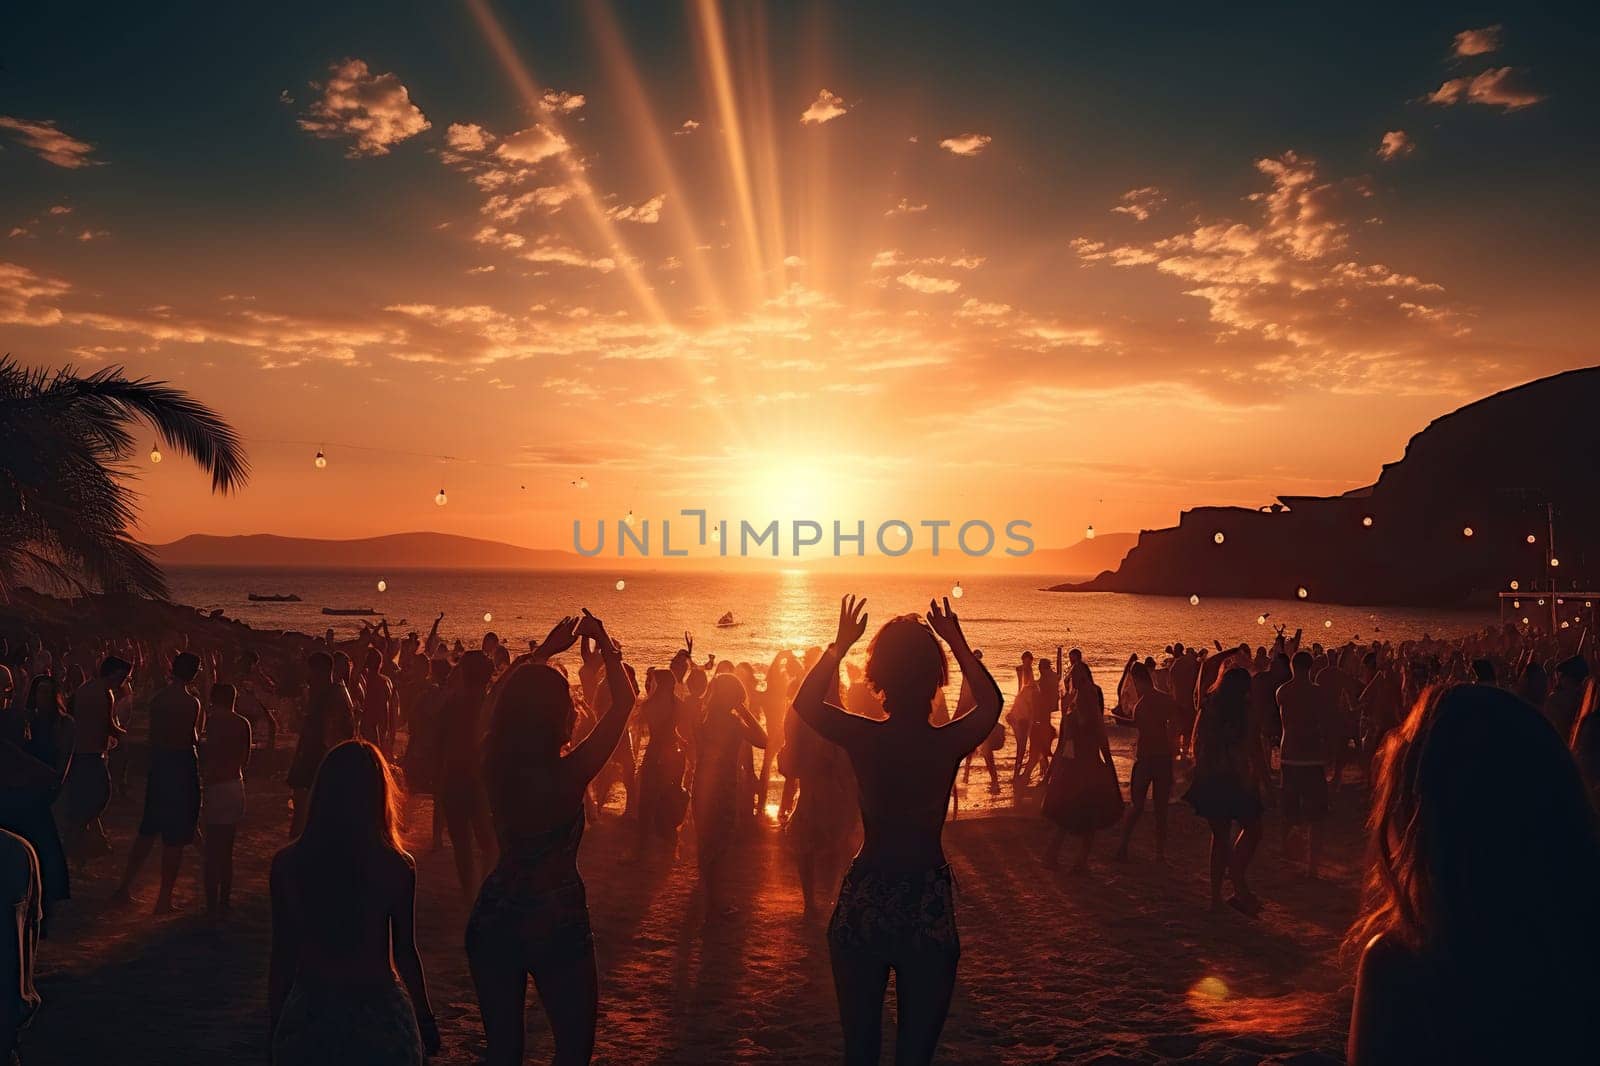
966 143
1140 204
505 207
50 143
825 108
1479 42
1395 143
26 298
374 111
532 145
905 207
647 213
61 209
918 282
468 137
688 127
1502 87
488 269
562 102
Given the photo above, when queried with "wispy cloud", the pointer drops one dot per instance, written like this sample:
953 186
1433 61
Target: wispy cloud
1140 204
1479 42
532 145
374 111
50 143
468 137
1395 143
647 213
966 143
919 282
1503 87
905 207
825 108
562 102
688 127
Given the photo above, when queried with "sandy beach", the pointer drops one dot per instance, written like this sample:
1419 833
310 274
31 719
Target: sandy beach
1123 966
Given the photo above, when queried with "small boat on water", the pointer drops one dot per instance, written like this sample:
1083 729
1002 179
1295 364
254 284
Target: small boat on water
726 621
275 597
348 610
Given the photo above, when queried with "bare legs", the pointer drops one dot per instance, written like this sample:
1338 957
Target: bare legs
570 994
1052 853
923 987
466 816
171 863
219 867
1230 858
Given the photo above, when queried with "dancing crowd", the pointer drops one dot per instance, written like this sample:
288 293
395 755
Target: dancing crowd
1479 757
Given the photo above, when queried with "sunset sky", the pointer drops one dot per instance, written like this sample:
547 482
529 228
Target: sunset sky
833 260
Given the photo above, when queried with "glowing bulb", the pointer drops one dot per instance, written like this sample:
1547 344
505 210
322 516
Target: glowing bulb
621 584
1515 586
1327 623
628 518
1532 539
1516 605
1194 601
1218 537
957 591
1367 521
1588 603
487 617
1088 534
1554 561
383 586
1560 602
321 460
1541 603
1261 619
1467 532
1524 619
1301 592
1566 625
441 499
155 454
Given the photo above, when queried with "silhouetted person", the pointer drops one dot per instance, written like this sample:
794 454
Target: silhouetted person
721 740
458 783
330 719
1229 773
896 906
225 754
95 731
343 924
1480 934
172 789
21 896
1157 718
1561 706
1306 712
532 913
38 753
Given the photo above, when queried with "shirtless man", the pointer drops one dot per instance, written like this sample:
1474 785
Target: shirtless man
227 753
1307 714
172 790
330 718
88 788
1345 693
1156 717
1183 676
379 703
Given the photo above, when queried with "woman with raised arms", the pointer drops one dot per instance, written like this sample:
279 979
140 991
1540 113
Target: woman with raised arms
896 906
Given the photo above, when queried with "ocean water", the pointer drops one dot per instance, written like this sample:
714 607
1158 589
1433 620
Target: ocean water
794 609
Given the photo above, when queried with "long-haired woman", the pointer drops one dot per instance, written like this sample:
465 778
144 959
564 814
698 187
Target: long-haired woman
896 906
532 913
1229 773
723 739
458 783
344 906
662 799
1479 935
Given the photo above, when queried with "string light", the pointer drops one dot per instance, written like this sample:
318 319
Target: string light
1515 586
1088 534
1541 603
1560 602
1301 592
1327 623
1218 537
1554 561
957 591
321 460
155 454
487 617
1367 521
1516 605
621 584
1194 601
1566 625
441 499
1467 532
1261 619
1524 619
1532 539
383 586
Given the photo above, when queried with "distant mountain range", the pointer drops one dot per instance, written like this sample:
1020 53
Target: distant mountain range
400 551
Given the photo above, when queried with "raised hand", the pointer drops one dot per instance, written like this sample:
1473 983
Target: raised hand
945 624
852 623
688 644
562 636
590 626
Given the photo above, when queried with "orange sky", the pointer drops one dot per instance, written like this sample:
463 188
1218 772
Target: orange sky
796 262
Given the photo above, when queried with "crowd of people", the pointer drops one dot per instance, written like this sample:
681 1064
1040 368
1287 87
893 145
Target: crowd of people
1481 756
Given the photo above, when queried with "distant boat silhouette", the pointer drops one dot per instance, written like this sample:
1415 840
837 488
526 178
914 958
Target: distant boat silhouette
348 610
256 597
726 621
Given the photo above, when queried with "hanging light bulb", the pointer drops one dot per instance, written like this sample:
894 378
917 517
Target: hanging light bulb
1554 561
488 617
321 460
1560 602
1532 539
1467 531
383 586
1588 603
1367 521
1261 619
1327 623
1218 537
957 591
1516 605
1301 592
1566 625
1515 586
621 584
1524 619
155 453
1194 600
441 499
1541 603
1088 534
